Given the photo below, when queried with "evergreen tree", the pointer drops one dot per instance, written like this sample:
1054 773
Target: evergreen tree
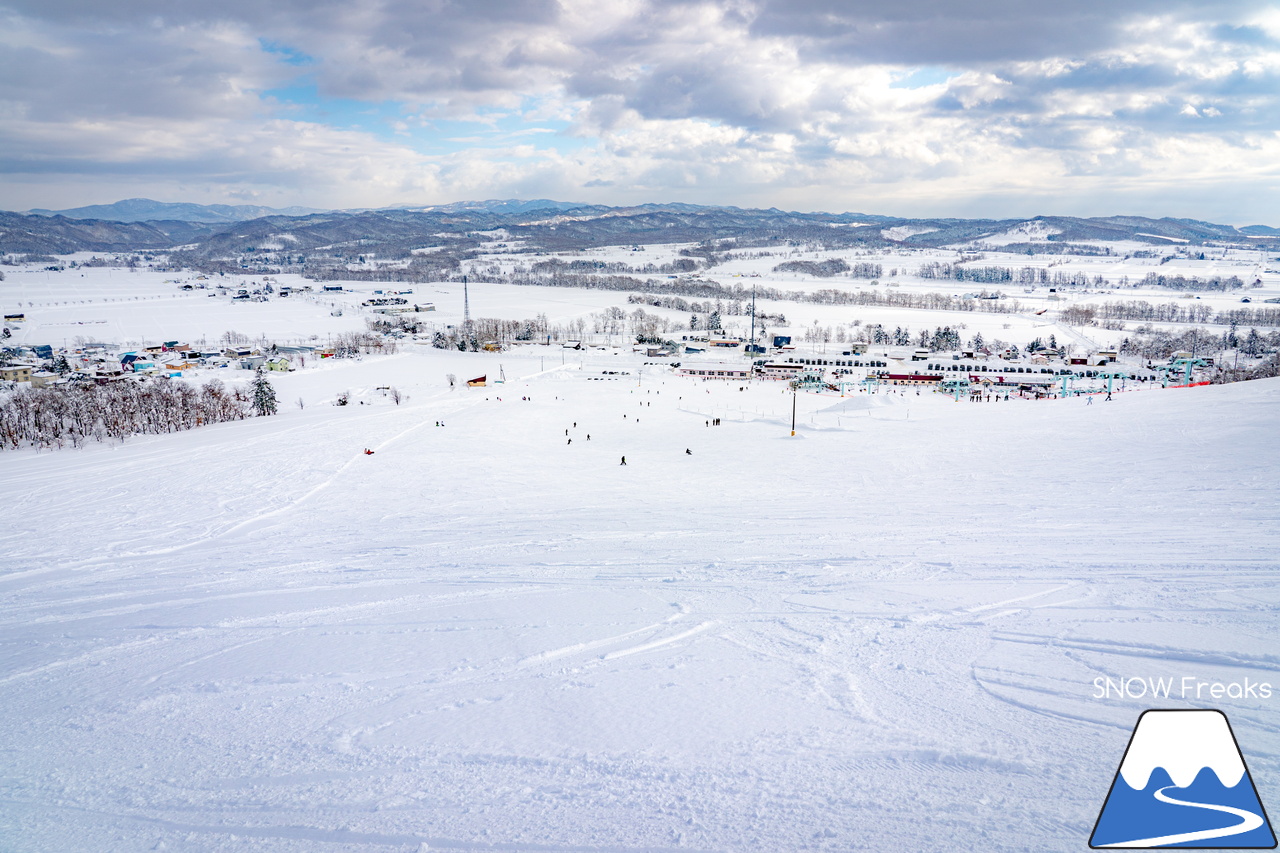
264 396
713 322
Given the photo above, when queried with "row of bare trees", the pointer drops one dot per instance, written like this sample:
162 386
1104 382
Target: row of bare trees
72 415
1168 312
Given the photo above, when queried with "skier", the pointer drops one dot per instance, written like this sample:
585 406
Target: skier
624 460
688 452
1108 400
570 441
368 452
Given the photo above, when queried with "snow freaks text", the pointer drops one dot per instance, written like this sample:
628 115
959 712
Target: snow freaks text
1185 687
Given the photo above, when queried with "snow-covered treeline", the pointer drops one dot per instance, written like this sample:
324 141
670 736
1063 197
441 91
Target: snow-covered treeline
832 267
1153 343
1168 312
1059 278
711 289
71 415
1182 282
352 344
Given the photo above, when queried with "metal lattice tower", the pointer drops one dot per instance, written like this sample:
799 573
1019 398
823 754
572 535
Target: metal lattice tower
466 308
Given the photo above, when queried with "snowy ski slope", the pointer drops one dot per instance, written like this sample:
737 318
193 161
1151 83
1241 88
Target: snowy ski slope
881 634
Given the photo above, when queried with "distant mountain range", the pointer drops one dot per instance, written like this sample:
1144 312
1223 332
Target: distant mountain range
208 233
147 210
498 206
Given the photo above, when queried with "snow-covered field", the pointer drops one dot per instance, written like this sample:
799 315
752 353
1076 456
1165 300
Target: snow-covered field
881 634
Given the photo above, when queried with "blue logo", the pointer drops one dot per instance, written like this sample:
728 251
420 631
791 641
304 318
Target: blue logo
1183 783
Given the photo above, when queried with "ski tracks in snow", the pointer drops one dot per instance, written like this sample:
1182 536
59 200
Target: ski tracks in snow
650 645
259 521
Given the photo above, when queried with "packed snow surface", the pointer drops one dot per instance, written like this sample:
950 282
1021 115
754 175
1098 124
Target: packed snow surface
880 634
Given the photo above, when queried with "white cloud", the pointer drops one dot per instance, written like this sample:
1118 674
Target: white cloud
727 102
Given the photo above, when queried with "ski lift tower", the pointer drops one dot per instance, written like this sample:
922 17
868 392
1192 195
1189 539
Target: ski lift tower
810 380
954 386
1111 376
1187 364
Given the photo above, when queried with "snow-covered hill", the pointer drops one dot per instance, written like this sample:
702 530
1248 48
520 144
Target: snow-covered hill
881 634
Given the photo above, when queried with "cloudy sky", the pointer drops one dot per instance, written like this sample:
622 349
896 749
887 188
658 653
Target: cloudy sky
910 107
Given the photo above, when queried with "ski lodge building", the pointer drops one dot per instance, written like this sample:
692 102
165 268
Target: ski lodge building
715 371
779 371
910 378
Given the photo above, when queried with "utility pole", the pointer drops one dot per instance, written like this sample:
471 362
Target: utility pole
751 347
793 411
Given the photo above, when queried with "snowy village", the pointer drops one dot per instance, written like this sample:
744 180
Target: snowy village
1059 327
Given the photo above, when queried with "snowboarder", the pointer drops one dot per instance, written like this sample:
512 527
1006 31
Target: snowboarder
624 460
